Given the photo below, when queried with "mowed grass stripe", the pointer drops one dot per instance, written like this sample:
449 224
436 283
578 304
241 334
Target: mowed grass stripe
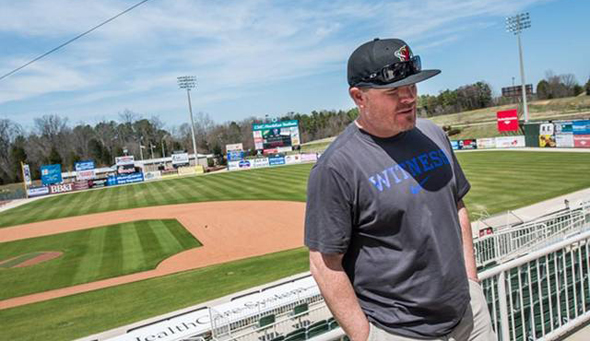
163 192
111 262
89 266
168 243
133 257
182 235
90 255
150 244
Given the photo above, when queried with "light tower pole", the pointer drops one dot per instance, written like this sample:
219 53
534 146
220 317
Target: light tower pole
516 24
188 83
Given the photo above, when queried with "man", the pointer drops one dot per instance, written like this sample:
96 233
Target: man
389 236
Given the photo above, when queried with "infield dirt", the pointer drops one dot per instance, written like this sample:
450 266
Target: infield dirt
229 231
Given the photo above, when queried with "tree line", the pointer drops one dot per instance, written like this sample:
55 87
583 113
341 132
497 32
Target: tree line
52 140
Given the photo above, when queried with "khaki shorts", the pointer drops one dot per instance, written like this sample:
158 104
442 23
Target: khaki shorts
475 325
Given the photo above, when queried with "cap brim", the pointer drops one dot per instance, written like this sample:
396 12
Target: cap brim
413 79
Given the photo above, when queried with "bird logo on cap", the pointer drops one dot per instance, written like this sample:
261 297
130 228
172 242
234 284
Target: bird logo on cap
403 53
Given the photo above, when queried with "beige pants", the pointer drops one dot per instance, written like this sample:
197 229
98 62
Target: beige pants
475 325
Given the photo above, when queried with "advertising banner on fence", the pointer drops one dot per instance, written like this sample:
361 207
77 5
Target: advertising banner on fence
27 174
244 164
455 145
546 137
260 162
180 159
97 183
486 143
581 127
235 155
564 140
81 185
186 170
507 120
233 165
467 144
84 165
124 160
155 175
276 160
61 188
37 191
86 174
292 159
564 127
510 141
51 174
309 157
582 141
129 179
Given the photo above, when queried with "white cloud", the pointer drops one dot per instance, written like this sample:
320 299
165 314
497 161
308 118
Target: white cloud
231 46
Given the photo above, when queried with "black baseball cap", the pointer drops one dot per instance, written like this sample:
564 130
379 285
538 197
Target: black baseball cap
385 63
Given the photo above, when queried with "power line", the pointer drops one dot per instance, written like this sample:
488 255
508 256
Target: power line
73 39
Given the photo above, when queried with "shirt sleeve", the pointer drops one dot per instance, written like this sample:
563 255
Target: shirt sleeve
328 222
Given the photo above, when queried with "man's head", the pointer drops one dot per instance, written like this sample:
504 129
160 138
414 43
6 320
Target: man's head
382 75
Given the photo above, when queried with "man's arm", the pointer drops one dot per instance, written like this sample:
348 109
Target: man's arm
339 295
467 237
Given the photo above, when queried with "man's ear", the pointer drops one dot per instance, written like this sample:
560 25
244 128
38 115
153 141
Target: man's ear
357 96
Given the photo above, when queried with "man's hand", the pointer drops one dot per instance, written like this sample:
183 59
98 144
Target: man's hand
339 295
467 237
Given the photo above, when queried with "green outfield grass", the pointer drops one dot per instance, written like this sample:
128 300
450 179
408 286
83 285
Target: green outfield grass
500 180
281 183
92 254
89 313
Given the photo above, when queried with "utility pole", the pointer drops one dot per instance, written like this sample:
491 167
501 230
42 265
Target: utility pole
516 24
188 83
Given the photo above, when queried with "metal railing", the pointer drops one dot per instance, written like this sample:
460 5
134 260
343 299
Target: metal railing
507 244
540 296
543 294
285 325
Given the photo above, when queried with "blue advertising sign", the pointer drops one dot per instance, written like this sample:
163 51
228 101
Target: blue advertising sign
111 180
276 160
84 165
581 127
51 174
129 178
235 156
455 145
244 164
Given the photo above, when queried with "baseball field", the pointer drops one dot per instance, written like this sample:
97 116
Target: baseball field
501 180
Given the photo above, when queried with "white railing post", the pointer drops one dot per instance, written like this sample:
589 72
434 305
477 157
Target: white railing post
503 307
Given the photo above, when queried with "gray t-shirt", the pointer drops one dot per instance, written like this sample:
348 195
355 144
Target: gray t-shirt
390 206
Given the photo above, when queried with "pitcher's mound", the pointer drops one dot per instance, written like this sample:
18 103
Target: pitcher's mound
29 259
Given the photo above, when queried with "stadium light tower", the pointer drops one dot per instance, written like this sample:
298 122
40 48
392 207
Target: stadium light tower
188 83
516 24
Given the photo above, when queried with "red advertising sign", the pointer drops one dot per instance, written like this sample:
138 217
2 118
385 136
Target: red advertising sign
582 141
507 120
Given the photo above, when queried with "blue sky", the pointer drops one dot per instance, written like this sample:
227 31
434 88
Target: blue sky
256 58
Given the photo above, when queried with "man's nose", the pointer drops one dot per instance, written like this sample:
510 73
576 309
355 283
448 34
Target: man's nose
407 94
